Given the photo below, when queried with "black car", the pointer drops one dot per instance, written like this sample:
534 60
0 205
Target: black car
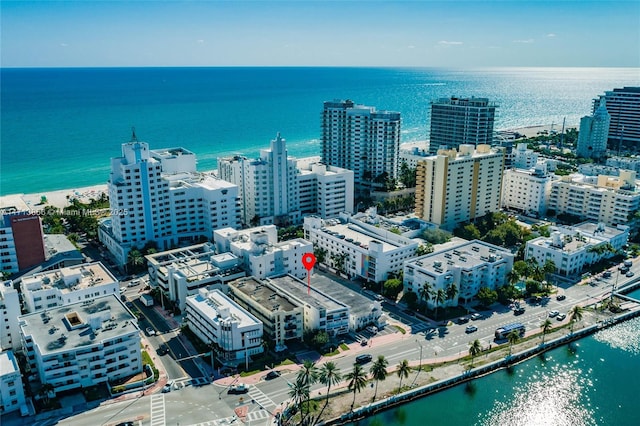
125 424
163 349
363 359
561 297
518 311
463 320
273 374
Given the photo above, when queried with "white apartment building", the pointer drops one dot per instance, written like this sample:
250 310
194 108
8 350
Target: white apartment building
9 313
182 272
526 190
359 249
524 158
261 253
594 132
626 163
278 189
574 248
158 196
611 200
11 390
461 121
413 156
321 310
591 169
359 138
454 187
82 344
280 313
236 335
78 283
468 266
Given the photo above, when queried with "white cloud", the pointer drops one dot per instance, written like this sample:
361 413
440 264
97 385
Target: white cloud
551 35
450 43
529 40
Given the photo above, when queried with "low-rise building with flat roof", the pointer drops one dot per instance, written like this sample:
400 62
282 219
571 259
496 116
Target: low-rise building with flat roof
78 283
234 333
11 390
359 249
281 314
182 272
572 248
467 267
261 253
82 344
321 311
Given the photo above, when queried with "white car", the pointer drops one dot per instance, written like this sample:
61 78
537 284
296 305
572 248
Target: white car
553 314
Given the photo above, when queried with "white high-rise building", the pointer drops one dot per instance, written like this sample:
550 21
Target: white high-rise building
158 196
526 190
278 189
594 132
460 121
361 139
9 313
11 390
454 187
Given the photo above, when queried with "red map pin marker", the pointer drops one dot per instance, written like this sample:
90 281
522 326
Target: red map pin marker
308 260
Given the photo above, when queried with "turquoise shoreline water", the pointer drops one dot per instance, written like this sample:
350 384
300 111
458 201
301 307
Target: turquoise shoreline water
60 127
594 381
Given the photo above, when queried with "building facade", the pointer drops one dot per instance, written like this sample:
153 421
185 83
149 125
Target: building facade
359 138
9 313
574 248
526 190
82 344
182 272
623 106
358 249
461 121
261 253
78 283
158 196
594 133
523 157
235 334
467 267
21 238
454 187
11 390
281 315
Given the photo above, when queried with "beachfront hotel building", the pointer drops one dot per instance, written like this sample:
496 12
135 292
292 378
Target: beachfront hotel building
11 390
278 189
280 313
78 283
457 121
458 186
623 106
235 334
362 139
21 237
260 252
158 196
468 266
573 248
594 133
182 272
526 190
82 344
9 313
612 200
355 248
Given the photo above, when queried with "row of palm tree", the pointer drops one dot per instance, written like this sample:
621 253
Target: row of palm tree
426 292
329 375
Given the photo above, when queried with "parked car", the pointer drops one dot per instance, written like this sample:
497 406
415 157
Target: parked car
463 320
561 317
471 329
364 358
167 387
163 349
606 274
273 374
553 314
561 297
518 311
150 331
364 342
133 283
629 274
476 316
239 388
372 329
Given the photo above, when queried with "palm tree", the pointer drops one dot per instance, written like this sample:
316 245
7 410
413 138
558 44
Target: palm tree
513 338
425 292
135 258
44 392
402 370
475 349
439 297
329 375
307 376
513 277
357 381
575 315
546 326
451 291
379 372
299 393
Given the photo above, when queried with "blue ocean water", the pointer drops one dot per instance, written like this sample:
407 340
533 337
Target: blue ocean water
60 127
595 381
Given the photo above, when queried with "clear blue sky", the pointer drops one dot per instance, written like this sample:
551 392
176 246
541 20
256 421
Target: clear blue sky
328 33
